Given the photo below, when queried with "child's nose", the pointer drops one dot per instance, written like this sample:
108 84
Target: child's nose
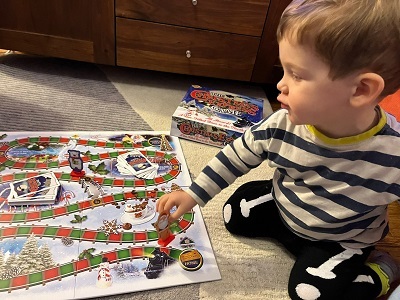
279 85
282 87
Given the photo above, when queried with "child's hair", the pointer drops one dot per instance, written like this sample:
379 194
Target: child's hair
349 35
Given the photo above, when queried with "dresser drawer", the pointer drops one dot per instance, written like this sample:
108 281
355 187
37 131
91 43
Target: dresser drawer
235 16
175 49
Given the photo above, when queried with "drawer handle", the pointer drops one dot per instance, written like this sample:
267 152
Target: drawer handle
194 2
188 54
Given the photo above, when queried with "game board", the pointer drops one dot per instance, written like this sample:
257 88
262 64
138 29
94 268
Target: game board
89 243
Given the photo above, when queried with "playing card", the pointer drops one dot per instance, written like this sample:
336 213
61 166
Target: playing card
43 189
31 201
135 162
123 170
50 195
151 174
37 186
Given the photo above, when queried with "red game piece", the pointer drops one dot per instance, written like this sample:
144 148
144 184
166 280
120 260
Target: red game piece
165 235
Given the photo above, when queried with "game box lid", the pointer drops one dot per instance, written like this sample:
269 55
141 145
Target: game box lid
205 113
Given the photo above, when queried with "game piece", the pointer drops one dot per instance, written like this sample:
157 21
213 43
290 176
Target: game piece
95 232
165 235
76 163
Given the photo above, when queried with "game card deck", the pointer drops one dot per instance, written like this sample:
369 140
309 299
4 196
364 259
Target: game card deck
135 163
36 190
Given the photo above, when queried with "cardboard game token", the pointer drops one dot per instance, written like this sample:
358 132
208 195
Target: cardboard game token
191 260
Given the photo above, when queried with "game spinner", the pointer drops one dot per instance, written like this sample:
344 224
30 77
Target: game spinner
78 219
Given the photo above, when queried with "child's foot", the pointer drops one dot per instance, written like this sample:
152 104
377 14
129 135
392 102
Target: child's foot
387 263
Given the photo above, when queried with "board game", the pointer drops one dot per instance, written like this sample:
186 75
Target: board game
78 219
215 117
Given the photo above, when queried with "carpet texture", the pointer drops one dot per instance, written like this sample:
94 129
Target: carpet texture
250 268
48 94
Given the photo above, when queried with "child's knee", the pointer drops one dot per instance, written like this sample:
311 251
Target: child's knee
303 291
240 213
231 218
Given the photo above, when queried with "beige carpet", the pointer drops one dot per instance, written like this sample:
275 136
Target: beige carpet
250 268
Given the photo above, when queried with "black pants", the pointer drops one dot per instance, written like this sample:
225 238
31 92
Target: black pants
323 270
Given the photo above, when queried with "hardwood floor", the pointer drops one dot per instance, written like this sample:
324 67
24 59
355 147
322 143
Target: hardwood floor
391 243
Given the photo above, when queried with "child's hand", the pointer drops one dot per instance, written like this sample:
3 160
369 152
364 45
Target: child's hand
182 200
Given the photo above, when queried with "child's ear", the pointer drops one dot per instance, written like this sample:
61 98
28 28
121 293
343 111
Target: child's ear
367 90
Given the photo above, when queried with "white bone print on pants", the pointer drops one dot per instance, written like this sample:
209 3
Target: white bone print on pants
245 206
309 292
325 270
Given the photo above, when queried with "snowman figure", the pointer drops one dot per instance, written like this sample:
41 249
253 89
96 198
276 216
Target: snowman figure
76 163
104 278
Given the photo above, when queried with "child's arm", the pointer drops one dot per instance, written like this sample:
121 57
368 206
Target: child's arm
231 162
181 199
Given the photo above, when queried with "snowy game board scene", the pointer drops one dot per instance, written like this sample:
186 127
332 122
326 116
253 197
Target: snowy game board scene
78 219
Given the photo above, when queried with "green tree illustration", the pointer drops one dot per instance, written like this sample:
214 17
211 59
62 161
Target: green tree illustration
29 259
46 256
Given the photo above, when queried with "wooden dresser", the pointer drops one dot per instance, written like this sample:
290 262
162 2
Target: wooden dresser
232 39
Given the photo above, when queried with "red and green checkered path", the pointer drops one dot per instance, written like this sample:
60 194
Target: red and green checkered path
46 231
27 164
106 181
75 267
151 154
29 216
82 142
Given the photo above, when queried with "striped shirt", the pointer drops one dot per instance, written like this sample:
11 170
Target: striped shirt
325 189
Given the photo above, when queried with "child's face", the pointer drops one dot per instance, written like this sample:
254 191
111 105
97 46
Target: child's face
308 93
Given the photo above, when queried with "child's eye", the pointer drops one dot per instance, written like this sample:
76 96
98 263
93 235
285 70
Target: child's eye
296 77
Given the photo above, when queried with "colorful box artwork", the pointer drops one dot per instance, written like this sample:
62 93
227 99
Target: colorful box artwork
215 117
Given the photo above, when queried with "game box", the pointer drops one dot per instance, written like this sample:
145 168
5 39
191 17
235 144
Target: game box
214 117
